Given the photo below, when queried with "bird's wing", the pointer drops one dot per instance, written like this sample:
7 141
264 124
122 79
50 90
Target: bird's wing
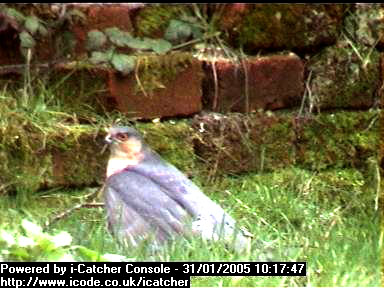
138 207
210 220
181 189
120 218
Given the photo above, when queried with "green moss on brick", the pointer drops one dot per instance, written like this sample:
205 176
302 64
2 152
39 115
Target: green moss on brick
154 19
237 143
173 141
343 79
155 71
293 26
339 140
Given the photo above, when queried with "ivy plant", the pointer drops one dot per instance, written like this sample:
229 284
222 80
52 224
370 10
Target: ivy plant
103 44
32 244
31 27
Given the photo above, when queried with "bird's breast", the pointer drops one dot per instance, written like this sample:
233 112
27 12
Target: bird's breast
117 164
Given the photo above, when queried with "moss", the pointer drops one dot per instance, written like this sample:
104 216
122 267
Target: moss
152 20
173 141
265 142
88 99
342 79
81 162
366 24
155 71
342 139
42 147
31 162
294 26
30 144
46 148
20 151
238 143
278 141
45 153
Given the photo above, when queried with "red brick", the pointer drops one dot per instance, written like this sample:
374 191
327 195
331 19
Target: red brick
100 17
180 96
274 82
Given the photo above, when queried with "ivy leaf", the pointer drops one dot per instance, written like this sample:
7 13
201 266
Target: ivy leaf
196 32
177 31
23 241
161 46
45 244
140 44
19 17
31 228
98 57
42 30
26 40
32 24
123 63
118 37
61 239
20 253
95 40
7 237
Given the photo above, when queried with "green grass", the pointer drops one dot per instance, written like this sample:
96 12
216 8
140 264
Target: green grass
327 219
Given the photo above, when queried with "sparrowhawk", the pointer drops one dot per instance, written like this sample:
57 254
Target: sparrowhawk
147 197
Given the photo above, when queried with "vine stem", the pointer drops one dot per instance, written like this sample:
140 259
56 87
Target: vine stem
195 41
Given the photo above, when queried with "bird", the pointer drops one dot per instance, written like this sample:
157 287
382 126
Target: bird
149 198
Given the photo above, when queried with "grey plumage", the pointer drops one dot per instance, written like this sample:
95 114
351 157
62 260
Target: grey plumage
152 198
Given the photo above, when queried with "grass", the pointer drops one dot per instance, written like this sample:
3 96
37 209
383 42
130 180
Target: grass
327 219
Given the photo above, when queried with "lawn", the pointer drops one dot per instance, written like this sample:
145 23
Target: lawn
327 219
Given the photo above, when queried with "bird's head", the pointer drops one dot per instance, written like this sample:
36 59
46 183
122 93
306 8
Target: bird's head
126 146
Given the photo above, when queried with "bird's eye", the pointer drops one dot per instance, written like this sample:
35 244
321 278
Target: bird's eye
122 136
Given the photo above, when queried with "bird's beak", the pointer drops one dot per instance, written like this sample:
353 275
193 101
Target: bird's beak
108 139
